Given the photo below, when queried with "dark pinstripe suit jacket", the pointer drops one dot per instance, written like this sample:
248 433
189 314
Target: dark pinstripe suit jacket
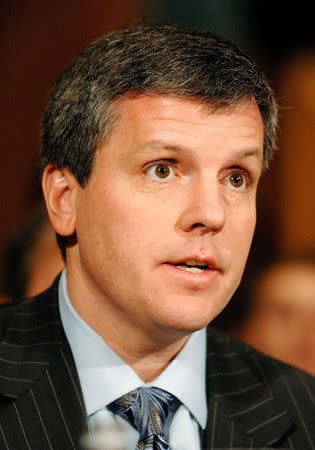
253 401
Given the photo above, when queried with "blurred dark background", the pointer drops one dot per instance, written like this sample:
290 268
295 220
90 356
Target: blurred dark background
39 38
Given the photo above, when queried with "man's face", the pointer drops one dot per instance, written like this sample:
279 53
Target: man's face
166 220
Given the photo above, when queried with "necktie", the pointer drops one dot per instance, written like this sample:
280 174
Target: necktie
146 409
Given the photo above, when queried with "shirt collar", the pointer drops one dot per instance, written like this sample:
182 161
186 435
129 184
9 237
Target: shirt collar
104 376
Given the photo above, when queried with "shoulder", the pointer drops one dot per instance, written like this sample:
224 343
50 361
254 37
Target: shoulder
267 399
12 310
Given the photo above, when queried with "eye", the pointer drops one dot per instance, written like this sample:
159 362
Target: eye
237 181
160 171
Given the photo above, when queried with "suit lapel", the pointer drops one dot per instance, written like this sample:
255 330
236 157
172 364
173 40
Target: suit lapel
243 397
37 367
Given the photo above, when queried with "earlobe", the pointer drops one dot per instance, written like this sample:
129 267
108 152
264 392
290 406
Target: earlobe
59 191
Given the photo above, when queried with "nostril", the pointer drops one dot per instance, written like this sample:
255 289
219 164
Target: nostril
198 225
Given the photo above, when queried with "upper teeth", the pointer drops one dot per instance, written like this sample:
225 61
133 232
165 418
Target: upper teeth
192 266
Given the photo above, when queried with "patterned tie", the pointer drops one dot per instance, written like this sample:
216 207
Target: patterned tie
146 409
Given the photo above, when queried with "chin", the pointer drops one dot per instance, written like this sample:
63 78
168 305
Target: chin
188 321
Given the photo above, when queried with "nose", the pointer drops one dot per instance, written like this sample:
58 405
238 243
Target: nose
204 210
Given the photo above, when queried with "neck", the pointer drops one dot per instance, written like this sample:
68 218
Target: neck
150 363
147 350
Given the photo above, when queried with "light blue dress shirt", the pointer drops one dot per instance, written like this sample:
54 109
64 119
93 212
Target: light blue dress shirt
104 377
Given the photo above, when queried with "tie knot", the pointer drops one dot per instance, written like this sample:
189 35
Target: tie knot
146 409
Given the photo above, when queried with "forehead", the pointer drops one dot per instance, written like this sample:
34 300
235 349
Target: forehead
150 114
181 108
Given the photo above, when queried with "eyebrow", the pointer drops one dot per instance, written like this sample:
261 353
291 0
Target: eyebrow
158 145
248 153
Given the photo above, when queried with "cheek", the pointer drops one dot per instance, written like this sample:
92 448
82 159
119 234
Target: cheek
126 226
137 214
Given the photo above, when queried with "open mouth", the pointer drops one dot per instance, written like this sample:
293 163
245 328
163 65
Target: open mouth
192 266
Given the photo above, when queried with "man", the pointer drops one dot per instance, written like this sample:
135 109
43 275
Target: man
154 140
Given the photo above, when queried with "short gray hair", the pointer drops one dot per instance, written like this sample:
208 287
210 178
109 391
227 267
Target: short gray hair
160 59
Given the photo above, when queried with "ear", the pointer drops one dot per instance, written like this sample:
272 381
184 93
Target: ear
59 188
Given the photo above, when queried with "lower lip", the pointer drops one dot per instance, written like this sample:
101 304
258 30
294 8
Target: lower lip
201 280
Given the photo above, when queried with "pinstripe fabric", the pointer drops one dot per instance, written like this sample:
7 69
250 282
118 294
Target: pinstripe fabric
254 401
41 405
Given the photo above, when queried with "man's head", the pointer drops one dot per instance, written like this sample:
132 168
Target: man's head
166 60
153 144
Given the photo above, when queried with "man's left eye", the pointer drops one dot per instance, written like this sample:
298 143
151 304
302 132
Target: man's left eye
160 171
237 181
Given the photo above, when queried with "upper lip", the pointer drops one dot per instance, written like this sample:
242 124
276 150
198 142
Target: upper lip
210 262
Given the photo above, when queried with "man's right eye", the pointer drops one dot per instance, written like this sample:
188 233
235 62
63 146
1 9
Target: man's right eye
160 171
